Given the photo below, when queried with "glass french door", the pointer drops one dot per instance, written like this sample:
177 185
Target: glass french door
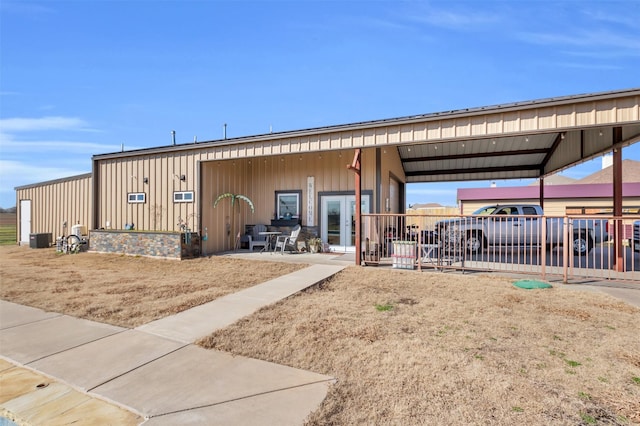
339 222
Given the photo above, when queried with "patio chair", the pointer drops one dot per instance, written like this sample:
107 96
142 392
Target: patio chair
255 239
288 242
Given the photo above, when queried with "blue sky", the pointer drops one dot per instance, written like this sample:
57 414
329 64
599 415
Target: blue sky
79 78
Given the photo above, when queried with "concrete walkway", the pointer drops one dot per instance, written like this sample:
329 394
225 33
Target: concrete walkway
154 371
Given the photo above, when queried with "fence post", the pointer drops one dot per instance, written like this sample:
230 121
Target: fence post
565 249
543 247
419 249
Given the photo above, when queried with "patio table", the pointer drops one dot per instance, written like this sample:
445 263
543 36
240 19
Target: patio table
271 235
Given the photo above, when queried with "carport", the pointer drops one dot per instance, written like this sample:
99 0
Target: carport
520 140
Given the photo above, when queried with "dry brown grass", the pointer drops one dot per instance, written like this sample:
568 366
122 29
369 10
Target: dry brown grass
452 349
449 349
123 290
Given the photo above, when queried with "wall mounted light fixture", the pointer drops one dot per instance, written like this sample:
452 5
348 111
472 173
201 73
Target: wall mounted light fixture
183 177
145 180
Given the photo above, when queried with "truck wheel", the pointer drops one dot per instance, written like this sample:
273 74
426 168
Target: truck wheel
475 242
582 245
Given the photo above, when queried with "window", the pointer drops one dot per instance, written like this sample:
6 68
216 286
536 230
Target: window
288 204
183 197
136 197
484 211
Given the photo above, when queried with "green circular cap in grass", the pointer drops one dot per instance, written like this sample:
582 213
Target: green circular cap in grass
531 284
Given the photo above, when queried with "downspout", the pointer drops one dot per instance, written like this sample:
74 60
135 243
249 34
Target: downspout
378 187
95 196
203 235
543 228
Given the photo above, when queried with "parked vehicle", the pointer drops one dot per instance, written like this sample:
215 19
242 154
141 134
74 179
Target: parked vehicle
518 225
636 235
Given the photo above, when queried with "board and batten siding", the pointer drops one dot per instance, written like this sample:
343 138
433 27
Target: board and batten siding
55 202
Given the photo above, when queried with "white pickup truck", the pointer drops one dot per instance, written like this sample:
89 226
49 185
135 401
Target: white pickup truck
521 225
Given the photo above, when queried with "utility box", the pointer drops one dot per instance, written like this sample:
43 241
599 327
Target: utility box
42 240
404 254
79 230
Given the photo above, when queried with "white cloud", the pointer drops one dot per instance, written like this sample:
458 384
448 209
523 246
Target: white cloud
24 8
9 144
16 169
608 17
458 20
589 39
17 173
589 66
45 123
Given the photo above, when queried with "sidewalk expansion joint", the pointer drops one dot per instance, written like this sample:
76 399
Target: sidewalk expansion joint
76 346
138 367
32 322
332 380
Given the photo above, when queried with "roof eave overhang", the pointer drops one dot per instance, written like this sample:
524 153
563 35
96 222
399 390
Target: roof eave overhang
454 114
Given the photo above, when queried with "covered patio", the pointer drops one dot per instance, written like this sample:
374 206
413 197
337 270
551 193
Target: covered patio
520 140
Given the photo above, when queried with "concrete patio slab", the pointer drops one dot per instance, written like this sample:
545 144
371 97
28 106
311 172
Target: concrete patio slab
193 377
12 314
266 409
97 362
202 320
30 342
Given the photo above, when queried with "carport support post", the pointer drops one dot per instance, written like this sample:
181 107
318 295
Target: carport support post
618 252
356 167
543 232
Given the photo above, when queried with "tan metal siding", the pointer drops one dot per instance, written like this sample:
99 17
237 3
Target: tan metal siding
55 202
391 169
158 212
259 178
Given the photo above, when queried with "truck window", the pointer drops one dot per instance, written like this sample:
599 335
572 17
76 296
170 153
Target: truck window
484 211
528 210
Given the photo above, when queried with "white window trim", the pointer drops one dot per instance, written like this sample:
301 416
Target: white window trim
182 199
136 197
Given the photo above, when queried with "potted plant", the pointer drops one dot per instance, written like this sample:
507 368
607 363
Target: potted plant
315 245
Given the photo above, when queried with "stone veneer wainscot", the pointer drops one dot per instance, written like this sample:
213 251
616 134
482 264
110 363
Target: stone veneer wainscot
137 243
